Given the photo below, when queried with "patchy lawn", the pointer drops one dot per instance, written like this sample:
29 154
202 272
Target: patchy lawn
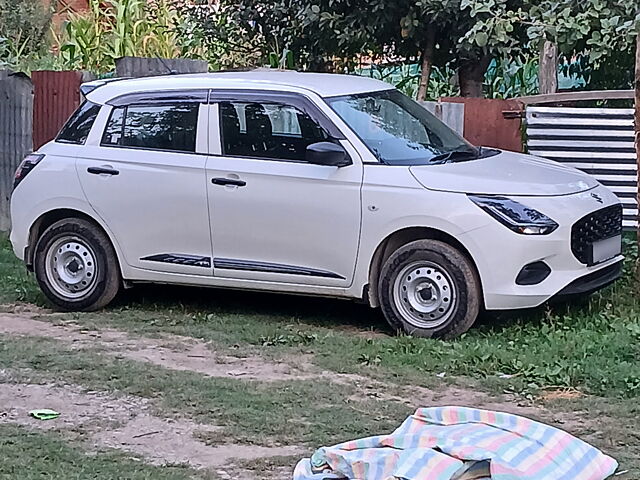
250 382
30 455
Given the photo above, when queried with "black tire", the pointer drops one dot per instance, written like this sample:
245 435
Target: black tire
429 270
101 271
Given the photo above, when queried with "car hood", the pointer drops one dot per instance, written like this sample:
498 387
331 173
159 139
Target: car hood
507 173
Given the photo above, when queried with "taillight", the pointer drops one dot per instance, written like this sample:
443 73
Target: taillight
26 166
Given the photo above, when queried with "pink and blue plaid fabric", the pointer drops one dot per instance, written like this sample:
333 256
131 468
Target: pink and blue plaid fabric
438 444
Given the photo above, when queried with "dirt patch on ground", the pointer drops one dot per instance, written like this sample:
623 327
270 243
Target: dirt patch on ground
169 351
125 423
189 354
25 308
561 394
576 422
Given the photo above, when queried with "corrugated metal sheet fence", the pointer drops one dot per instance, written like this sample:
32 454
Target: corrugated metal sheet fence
598 141
16 107
56 96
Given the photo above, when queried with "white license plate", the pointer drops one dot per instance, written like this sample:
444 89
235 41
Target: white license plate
606 249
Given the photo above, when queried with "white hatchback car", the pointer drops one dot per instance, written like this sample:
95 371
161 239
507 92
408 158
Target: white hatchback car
304 183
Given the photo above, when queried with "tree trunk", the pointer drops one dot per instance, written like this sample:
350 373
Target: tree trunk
548 73
427 63
471 76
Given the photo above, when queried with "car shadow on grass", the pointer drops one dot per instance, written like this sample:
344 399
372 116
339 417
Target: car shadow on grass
313 311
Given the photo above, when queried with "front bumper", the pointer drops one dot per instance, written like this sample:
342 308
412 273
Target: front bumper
500 254
593 281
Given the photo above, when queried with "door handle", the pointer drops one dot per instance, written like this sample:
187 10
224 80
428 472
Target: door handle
228 181
102 170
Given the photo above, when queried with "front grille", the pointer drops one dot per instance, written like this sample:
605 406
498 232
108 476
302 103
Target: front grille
598 225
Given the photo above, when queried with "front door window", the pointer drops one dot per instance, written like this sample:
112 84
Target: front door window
267 130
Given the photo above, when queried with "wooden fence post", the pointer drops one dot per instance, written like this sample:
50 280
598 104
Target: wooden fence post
548 73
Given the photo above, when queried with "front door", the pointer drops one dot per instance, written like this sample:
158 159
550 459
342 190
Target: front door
274 216
145 177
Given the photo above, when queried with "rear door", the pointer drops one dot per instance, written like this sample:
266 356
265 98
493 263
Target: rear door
144 175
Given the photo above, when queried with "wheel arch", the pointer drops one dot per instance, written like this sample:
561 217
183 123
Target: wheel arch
401 237
45 220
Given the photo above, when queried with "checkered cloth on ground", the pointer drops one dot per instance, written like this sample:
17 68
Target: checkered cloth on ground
445 442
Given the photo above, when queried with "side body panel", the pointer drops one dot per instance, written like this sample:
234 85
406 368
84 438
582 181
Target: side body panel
52 185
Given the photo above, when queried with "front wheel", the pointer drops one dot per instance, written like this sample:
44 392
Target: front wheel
76 266
428 288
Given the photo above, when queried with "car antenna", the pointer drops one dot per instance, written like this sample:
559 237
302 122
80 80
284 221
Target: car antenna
170 71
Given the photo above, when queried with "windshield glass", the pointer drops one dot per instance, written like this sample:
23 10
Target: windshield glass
399 131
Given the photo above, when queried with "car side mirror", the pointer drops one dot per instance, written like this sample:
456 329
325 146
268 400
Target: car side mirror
327 153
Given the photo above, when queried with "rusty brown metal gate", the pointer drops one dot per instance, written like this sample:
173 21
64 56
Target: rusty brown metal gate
492 122
56 96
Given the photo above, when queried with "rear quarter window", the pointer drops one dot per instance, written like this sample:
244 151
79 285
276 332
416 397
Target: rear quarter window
77 128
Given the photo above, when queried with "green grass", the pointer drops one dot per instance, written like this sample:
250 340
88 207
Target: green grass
293 412
15 284
26 455
594 346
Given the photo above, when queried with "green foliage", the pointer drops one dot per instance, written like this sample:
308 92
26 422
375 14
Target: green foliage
494 25
406 78
615 71
23 30
506 77
594 28
117 28
511 77
212 29
601 32
284 33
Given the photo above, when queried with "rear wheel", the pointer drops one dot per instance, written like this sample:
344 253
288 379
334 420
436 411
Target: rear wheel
76 266
428 288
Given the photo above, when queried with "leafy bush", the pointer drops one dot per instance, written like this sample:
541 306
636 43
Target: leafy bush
117 28
23 28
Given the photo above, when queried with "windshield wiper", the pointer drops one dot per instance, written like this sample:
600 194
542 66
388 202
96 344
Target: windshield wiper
447 156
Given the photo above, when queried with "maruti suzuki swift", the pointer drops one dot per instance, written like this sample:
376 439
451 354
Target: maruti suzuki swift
314 184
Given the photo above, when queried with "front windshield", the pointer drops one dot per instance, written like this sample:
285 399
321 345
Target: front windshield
398 130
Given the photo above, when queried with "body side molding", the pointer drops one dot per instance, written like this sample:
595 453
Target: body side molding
245 265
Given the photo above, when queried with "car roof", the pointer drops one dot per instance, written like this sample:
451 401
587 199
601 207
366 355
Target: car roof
323 84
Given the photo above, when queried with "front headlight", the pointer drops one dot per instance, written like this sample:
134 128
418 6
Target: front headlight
515 216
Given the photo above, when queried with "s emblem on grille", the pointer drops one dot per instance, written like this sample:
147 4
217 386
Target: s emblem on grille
597 198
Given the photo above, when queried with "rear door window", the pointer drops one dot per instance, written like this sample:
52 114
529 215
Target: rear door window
168 127
77 128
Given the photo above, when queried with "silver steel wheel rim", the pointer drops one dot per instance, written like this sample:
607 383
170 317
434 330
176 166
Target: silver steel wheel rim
424 294
70 266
